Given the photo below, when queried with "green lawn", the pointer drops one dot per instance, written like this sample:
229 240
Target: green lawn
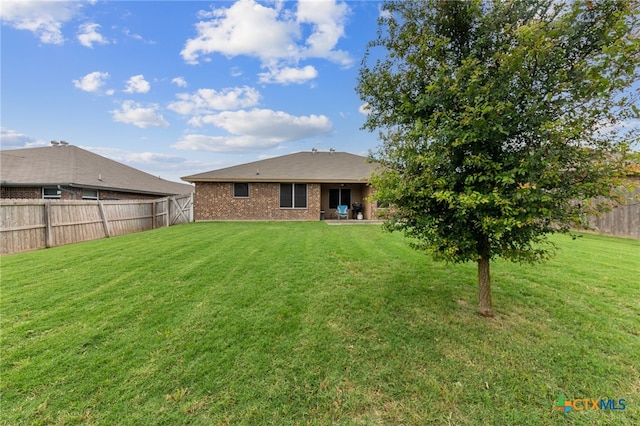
304 323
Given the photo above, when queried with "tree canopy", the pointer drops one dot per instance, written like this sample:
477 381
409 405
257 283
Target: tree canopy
501 121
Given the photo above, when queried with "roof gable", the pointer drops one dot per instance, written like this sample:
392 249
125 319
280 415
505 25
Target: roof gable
70 165
312 166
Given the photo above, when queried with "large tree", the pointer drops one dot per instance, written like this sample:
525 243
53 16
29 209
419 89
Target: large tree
501 121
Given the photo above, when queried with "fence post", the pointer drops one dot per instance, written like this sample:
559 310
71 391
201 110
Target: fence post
47 224
192 201
154 214
167 216
105 223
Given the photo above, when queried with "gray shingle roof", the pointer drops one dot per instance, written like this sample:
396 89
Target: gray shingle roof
318 167
73 166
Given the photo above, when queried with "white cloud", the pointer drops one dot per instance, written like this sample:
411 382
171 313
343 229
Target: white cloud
328 21
364 109
272 34
43 18
622 126
152 158
10 139
245 28
88 35
136 36
253 130
92 82
205 101
167 166
133 113
137 84
382 13
223 143
139 158
622 130
179 81
248 129
269 124
289 75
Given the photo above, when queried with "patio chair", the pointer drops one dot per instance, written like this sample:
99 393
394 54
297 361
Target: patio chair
342 212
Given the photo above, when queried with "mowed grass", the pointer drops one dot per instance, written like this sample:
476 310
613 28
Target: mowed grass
304 323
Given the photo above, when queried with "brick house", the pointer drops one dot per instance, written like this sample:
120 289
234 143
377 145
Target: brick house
64 171
300 186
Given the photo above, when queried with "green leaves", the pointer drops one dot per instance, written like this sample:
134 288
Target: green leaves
492 117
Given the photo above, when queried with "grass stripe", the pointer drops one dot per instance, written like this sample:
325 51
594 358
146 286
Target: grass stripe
302 323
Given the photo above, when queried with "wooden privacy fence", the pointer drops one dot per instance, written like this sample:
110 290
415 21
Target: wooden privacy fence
33 224
622 220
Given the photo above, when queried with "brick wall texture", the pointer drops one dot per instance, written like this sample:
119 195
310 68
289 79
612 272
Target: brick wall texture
215 201
21 192
36 193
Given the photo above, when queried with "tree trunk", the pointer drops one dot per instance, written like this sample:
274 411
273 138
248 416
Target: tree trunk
484 287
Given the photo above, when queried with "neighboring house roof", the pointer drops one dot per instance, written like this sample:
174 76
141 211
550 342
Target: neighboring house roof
310 167
69 165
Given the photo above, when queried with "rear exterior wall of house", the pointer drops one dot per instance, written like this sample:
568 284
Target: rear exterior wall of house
215 201
17 192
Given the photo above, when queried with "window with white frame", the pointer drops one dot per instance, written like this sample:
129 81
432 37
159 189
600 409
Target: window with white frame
89 194
51 193
293 195
241 190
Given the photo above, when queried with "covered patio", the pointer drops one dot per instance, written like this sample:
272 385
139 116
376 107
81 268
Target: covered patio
353 195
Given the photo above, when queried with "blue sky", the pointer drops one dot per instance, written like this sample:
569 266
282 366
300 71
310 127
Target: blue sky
175 88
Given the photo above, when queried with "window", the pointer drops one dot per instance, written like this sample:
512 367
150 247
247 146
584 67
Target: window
89 194
241 190
339 196
300 196
293 195
50 193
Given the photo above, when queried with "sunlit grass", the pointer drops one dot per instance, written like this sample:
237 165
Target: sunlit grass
303 323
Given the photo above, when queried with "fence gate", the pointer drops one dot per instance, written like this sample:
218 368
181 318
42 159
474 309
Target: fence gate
180 209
